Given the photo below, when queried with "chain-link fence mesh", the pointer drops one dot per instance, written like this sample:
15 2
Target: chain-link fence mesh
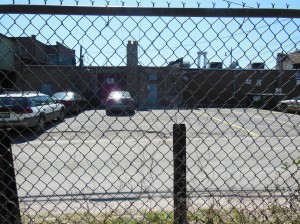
92 96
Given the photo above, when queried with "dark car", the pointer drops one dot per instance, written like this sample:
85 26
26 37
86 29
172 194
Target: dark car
119 101
73 101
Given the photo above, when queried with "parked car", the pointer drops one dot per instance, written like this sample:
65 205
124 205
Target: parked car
292 105
73 101
119 101
28 110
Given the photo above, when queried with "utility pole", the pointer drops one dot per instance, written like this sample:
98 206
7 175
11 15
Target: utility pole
80 67
231 56
280 58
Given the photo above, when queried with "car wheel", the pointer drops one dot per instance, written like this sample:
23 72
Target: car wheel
77 111
61 116
41 123
284 107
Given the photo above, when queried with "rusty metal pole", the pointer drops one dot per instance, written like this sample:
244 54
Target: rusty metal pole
179 154
9 204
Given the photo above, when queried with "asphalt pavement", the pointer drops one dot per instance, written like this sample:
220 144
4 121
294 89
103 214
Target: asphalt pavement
98 158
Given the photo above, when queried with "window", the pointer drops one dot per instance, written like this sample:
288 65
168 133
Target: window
126 94
248 81
77 96
110 80
39 101
13 102
258 82
50 101
35 101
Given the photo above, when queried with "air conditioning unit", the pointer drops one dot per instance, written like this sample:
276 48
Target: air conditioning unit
256 65
215 65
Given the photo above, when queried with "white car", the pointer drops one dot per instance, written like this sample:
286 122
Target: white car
28 110
292 105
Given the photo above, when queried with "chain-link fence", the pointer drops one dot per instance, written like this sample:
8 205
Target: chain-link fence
152 113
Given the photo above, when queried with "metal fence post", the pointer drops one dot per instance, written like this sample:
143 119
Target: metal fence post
9 205
179 154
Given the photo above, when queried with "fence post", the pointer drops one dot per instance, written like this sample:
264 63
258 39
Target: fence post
9 205
179 156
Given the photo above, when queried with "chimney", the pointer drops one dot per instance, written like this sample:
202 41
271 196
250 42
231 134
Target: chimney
132 54
133 80
204 54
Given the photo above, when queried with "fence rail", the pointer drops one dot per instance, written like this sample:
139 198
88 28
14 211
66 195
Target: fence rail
153 11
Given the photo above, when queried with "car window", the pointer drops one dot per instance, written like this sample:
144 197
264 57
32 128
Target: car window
13 102
51 101
126 94
63 96
47 100
77 96
34 102
39 101
115 95
43 101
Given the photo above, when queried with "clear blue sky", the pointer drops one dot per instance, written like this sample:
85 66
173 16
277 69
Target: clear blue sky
162 40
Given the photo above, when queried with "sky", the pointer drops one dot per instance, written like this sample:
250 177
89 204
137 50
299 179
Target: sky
162 39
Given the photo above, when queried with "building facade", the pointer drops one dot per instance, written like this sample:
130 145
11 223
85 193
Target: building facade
31 51
60 55
7 63
175 85
288 61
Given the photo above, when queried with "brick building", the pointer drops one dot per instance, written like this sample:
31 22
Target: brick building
7 63
31 51
153 87
288 61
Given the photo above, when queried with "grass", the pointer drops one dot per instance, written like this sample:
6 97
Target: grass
274 214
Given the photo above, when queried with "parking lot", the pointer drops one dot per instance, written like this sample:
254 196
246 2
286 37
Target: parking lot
239 122
93 154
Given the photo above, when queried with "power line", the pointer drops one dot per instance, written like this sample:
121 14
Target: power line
202 42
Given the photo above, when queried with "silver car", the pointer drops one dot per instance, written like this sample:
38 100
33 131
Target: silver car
119 101
292 105
28 110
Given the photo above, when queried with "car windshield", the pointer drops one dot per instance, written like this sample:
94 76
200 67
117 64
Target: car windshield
13 102
119 94
63 96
